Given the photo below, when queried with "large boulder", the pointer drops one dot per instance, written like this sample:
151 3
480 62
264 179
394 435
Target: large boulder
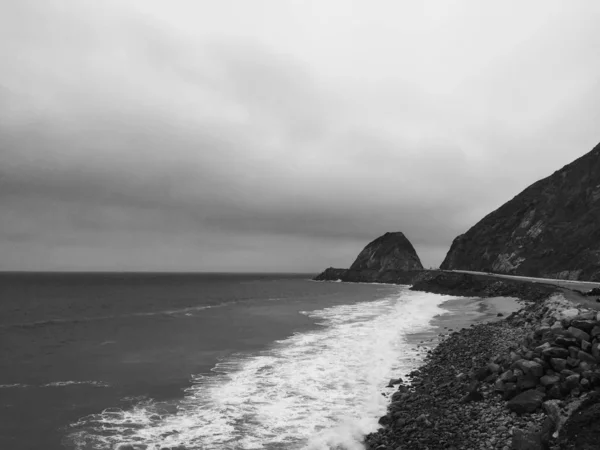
526 402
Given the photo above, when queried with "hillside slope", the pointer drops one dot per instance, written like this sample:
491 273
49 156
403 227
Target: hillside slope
551 229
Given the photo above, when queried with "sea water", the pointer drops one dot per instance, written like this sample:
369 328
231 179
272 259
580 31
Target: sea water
204 362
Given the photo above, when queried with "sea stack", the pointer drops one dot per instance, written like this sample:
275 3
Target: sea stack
392 251
550 230
390 258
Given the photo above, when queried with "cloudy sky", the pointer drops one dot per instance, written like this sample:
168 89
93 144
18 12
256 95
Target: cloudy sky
278 135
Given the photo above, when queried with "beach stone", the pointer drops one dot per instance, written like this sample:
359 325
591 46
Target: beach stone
586 346
526 402
395 381
510 391
595 331
583 324
596 351
555 352
564 341
540 348
558 364
586 357
572 381
508 376
531 367
549 380
569 313
527 381
579 334
574 351
528 440
493 367
572 362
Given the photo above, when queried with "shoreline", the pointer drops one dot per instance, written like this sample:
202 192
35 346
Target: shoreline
494 384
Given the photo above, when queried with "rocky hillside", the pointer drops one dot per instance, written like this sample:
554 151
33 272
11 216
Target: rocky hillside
551 229
390 258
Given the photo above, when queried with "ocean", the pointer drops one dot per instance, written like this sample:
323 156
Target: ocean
201 361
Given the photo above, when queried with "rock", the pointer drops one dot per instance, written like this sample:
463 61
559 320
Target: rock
528 440
583 324
508 376
586 357
510 391
526 402
586 346
549 380
527 381
531 367
572 381
579 334
565 341
595 331
527 235
555 352
394 381
596 351
392 251
572 362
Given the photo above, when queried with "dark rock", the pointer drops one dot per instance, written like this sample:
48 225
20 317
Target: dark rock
549 380
583 324
572 381
595 331
586 357
526 402
510 391
582 429
528 440
531 367
392 251
555 352
565 341
579 334
527 235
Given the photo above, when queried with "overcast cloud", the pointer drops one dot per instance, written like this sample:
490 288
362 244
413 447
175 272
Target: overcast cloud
273 135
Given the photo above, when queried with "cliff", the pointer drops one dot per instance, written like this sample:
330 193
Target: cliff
550 230
390 258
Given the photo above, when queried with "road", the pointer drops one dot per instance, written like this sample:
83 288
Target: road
568 284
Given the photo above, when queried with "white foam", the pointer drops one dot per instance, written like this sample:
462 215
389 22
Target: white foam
315 390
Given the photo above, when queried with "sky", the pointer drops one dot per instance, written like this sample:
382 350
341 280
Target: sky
278 135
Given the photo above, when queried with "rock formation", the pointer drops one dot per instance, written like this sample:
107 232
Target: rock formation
392 251
390 258
550 230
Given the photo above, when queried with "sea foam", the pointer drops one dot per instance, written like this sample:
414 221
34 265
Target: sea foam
316 390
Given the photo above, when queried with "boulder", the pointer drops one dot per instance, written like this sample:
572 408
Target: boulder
531 367
549 380
526 402
579 334
529 439
564 341
555 352
583 324
558 364
595 331
586 357
572 381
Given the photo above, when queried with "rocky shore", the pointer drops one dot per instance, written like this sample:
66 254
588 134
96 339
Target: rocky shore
531 381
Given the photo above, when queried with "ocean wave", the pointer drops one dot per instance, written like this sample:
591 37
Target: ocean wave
315 390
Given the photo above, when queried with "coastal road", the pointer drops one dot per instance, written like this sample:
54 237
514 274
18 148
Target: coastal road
569 286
